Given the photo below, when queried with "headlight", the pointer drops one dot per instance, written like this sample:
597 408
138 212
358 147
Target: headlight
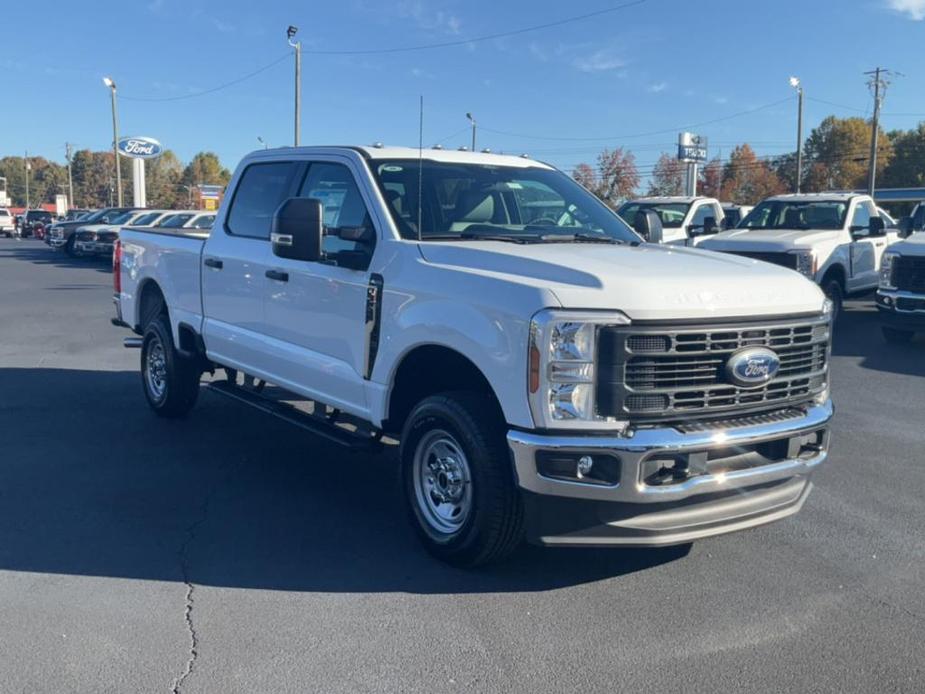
806 263
562 354
827 307
886 270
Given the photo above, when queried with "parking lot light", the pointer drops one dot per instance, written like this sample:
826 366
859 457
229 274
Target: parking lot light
108 81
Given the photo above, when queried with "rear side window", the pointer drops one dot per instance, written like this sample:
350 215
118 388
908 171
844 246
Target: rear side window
261 190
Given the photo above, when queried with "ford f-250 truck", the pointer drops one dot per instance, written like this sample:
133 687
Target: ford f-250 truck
686 220
835 239
901 295
550 377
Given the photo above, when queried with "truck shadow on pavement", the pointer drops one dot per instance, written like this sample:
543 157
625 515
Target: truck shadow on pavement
858 334
44 255
92 483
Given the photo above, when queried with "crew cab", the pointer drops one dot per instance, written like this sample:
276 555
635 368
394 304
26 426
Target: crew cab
32 219
685 220
901 294
835 239
60 235
549 377
98 239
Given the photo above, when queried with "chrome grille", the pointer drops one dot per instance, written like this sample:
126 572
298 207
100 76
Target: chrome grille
909 274
654 372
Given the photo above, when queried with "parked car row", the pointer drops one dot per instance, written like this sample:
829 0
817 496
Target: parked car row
95 233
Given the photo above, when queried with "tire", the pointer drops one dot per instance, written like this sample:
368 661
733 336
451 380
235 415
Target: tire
836 294
170 382
895 336
458 480
69 247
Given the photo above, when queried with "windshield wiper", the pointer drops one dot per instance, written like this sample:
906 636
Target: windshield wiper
578 238
496 237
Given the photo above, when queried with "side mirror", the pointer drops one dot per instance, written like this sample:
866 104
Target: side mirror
297 229
649 226
877 226
709 225
904 225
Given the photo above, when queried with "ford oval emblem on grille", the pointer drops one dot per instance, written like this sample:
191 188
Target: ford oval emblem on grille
752 367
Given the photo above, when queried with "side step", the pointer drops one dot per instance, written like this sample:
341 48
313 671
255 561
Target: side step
324 427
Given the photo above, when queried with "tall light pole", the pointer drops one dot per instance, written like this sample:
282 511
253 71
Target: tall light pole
115 137
472 120
290 33
28 176
69 153
795 83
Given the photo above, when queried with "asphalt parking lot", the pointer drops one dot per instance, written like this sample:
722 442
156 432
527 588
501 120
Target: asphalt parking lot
250 556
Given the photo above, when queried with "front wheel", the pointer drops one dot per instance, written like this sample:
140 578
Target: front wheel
834 292
170 382
458 479
896 336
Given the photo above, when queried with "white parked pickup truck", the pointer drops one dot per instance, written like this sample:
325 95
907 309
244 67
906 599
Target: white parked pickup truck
547 376
901 295
835 239
686 221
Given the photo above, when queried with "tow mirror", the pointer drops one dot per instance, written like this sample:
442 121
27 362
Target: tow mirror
297 229
648 225
709 225
877 226
904 225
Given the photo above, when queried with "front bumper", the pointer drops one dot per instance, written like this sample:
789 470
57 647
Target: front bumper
57 242
674 486
93 247
901 309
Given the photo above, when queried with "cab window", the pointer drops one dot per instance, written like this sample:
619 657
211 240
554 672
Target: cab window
261 190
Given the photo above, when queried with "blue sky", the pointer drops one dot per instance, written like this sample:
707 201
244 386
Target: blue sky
654 66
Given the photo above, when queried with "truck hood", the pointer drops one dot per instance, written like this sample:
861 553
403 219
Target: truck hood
646 282
912 245
769 239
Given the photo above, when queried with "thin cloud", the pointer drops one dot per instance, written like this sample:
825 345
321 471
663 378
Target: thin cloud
657 88
429 20
603 60
913 9
721 100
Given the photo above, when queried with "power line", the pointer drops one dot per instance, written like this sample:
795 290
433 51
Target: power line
645 134
219 87
477 39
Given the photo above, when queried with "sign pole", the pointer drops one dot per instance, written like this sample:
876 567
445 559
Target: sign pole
139 193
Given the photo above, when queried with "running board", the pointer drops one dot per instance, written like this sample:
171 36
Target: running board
313 424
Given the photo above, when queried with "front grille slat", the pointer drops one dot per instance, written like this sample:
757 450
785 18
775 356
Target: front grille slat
909 274
655 373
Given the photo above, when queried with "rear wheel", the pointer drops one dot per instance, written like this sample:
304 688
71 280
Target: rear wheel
69 247
170 382
458 480
896 336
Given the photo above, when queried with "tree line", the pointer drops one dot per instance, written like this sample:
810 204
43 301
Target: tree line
836 156
168 182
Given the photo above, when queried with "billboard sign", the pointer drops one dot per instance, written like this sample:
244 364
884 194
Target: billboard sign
692 148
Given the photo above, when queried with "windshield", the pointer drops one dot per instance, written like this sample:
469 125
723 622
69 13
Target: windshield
672 214
794 214
122 218
472 201
175 221
145 219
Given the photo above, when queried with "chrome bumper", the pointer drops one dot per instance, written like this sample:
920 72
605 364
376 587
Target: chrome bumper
635 512
56 242
93 247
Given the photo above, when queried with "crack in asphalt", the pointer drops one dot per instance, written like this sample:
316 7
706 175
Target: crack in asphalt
183 560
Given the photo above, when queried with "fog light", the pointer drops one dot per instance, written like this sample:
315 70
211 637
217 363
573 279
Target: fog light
585 463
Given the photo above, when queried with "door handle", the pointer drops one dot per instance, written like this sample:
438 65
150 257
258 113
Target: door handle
277 275
214 263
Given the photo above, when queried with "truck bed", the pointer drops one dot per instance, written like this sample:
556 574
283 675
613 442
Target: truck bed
172 258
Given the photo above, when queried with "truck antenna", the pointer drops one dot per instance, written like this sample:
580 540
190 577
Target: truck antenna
420 162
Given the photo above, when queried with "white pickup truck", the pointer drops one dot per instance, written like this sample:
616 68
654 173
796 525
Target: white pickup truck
835 239
901 295
547 376
686 220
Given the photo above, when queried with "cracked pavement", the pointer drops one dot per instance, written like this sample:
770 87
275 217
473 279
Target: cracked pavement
231 553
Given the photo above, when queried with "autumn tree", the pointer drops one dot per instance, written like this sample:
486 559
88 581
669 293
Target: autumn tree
205 168
711 179
614 180
667 176
906 168
162 182
747 179
837 154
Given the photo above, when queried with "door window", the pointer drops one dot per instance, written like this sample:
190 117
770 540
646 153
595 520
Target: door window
701 214
862 214
261 190
344 209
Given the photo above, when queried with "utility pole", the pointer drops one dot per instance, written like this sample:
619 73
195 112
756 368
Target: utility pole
70 180
291 32
472 120
878 84
28 176
795 83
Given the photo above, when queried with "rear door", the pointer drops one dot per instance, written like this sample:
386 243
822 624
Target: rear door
316 312
234 262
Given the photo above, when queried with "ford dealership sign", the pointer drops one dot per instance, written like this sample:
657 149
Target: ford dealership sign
140 147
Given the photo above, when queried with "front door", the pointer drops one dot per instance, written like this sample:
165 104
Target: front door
863 248
316 311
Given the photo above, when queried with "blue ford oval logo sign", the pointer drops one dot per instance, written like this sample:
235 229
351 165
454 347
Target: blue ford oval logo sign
752 367
140 147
